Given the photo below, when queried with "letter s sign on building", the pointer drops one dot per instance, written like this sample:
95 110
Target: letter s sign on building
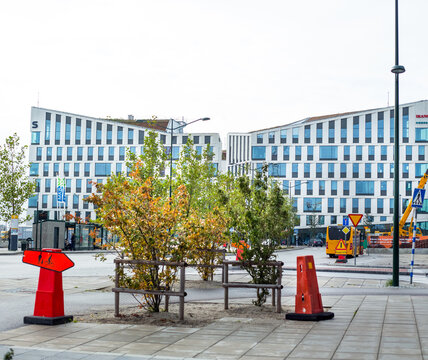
35 124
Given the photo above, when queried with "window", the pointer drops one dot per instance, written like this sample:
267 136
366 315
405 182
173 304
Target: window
307 134
88 138
102 169
66 169
333 219
405 170
328 152
312 204
90 153
359 153
333 187
346 187
141 137
48 154
421 135
175 152
306 170
295 134
76 169
56 169
383 152
343 205
276 170
368 170
408 152
111 153
408 188
355 170
259 138
35 138
368 128
100 153
346 152
286 153
391 126
380 127
120 135
294 170
184 139
405 125
75 201
343 131
380 206
330 203
319 133
109 134
283 136
258 152
47 185
47 128
78 131
55 202
364 188
67 130
318 170
356 129
39 154
37 189
331 170
130 136
195 139
383 188
391 170
321 187
99 132
274 153
69 153
46 169
118 168
380 170
297 187
44 201
68 185
298 153
371 152
121 153
343 170
421 152
331 132
87 168
271 138
420 169
310 152
355 206
286 187
367 206
57 129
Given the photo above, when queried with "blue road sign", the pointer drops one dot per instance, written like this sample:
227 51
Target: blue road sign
345 221
418 198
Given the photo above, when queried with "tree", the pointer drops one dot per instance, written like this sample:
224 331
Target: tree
15 186
260 216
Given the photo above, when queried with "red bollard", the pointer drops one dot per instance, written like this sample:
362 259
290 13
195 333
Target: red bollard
308 305
49 305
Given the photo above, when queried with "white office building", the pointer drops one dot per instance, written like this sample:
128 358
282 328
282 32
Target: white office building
84 149
339 164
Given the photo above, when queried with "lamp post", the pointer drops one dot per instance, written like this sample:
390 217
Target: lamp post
396 70
172 133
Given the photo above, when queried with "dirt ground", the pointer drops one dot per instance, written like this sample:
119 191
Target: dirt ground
196 314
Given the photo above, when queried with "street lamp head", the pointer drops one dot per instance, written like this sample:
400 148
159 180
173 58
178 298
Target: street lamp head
398 69
205 119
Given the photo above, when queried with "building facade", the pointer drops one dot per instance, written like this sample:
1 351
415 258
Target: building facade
339 164
83 150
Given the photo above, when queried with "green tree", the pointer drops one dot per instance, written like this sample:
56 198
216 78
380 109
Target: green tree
15 186
261 216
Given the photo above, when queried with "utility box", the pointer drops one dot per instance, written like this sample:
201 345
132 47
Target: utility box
49 234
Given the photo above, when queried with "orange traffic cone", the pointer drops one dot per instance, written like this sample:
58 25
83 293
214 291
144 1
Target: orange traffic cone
308 305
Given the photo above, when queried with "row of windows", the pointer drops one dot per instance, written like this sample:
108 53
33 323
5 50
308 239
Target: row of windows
331 152
320 220
343 170
355 130
74 201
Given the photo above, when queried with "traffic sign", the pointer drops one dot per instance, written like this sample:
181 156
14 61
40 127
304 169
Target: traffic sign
345 221
418 198
341 247
49 260
346 230
355 218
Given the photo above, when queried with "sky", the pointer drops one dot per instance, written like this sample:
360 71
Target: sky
246 64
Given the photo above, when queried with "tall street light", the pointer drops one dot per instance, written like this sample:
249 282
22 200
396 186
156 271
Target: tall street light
397 70
172 133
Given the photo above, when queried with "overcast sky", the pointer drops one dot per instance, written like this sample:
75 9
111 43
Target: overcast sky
246 64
